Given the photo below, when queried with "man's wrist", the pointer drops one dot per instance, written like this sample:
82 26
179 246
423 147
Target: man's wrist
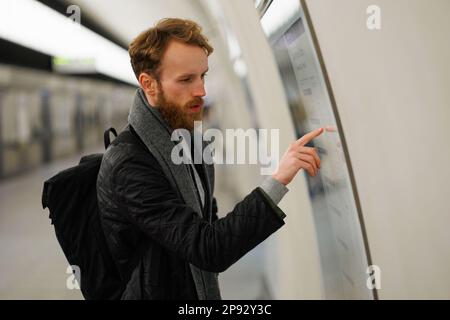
280 180
274 189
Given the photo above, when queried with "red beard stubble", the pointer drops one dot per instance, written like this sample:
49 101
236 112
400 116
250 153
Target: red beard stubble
178 116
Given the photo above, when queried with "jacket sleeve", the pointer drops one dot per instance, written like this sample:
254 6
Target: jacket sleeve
145 196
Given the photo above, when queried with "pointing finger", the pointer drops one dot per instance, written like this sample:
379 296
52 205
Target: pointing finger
309 136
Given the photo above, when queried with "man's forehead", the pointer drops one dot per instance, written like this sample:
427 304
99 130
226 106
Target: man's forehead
184 59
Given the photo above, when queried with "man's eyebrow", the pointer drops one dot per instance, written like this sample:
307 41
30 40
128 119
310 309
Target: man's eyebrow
191 74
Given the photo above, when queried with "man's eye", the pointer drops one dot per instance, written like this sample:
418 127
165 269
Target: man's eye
185 80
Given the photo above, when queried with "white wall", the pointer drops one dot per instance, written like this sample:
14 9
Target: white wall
392 92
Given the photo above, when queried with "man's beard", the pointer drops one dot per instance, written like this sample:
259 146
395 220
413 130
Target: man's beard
177 116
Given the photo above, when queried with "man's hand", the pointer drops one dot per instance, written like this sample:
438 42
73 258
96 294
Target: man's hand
298 157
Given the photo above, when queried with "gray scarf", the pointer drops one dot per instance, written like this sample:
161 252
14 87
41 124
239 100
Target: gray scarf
155 133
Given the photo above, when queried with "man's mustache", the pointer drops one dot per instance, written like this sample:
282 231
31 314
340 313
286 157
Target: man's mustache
198 101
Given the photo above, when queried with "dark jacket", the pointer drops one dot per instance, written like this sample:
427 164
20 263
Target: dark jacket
153 235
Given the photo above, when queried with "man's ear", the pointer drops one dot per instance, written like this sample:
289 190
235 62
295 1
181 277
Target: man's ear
148 84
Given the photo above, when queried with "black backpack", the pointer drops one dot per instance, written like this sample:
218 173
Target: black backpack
71 197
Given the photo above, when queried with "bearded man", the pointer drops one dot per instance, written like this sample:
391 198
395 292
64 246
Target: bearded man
160 218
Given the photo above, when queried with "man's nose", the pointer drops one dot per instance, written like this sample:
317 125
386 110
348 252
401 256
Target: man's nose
199 90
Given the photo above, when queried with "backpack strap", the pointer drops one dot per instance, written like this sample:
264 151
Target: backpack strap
128 135
106 136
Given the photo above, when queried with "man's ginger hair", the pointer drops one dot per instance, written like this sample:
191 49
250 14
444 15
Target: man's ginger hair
147 49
